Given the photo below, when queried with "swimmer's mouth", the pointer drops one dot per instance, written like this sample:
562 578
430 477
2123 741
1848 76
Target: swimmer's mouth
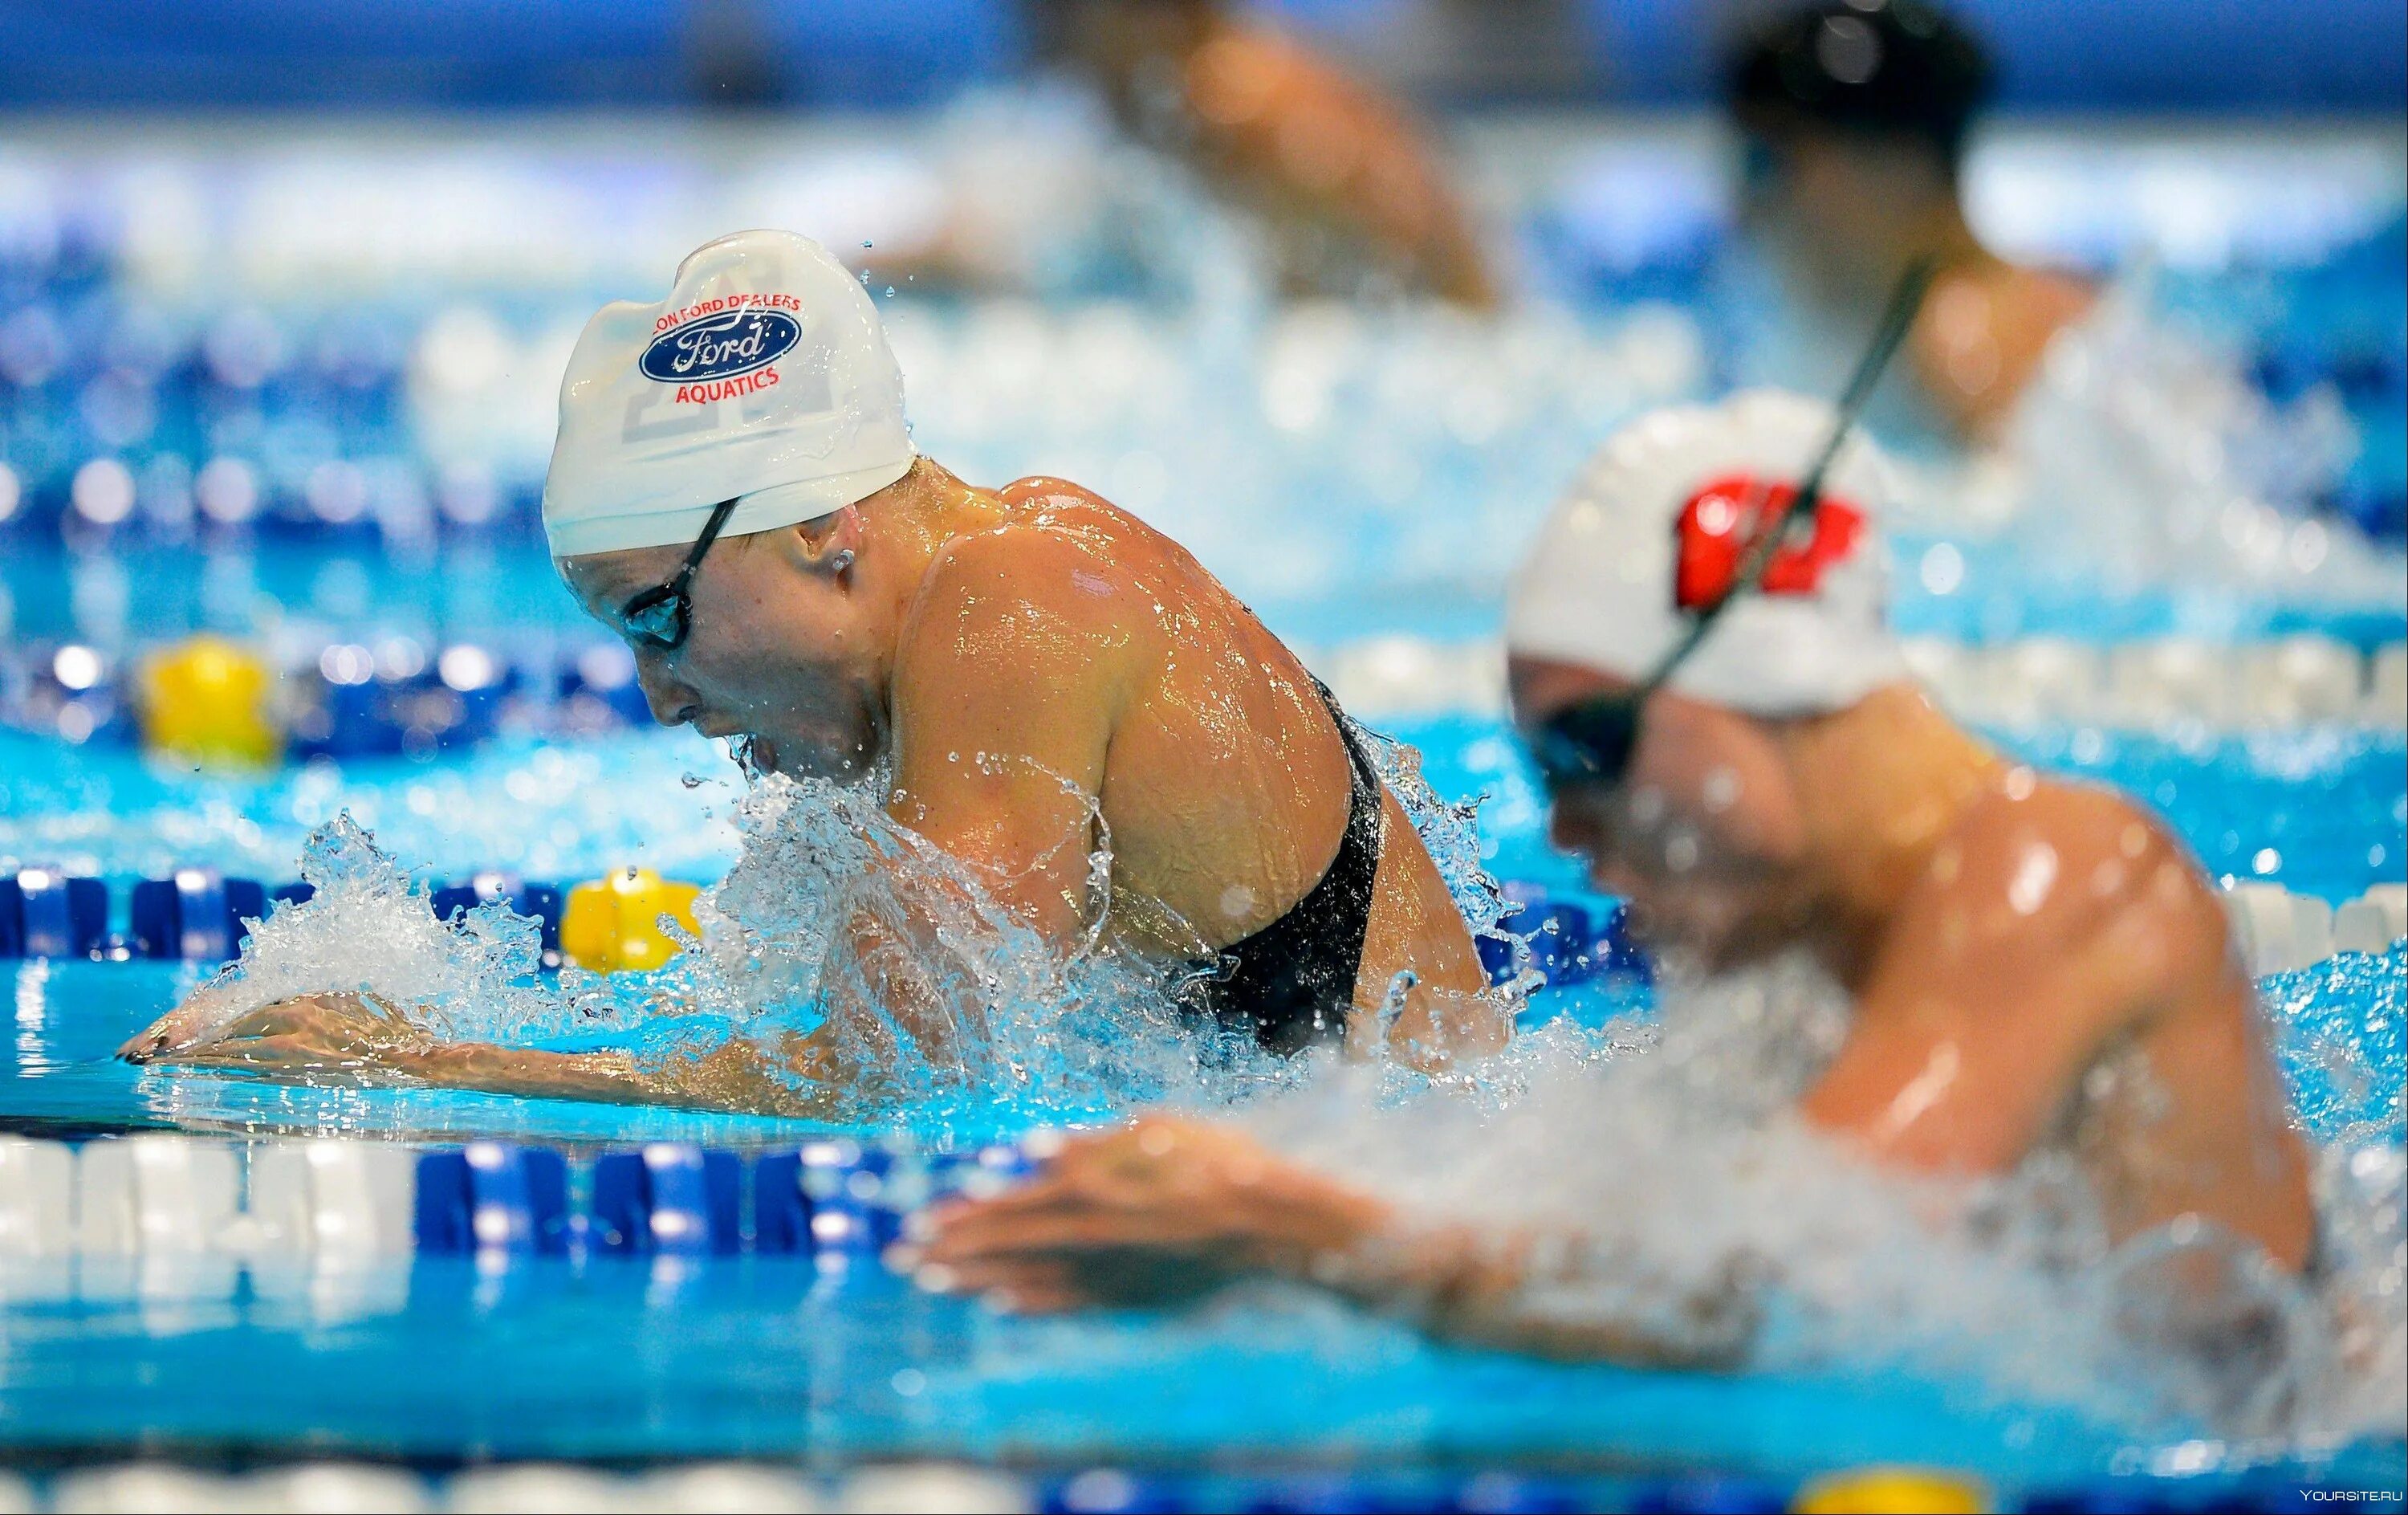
754 755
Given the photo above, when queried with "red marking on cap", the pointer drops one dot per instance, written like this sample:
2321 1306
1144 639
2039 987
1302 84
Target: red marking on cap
1713 539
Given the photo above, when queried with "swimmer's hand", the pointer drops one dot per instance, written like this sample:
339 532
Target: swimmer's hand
1162 1211
353 1033
184 1026
1168 1210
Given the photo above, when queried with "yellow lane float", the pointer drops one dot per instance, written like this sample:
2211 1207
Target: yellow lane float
1893 1490
204 701
613 924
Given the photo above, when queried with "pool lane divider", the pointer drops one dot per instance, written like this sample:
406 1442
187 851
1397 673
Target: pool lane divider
347 705
197 915
341 1199
766 1487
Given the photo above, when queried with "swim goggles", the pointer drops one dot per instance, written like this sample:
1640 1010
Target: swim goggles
1590 744
661 616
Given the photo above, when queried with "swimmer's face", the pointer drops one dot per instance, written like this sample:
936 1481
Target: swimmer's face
1703 836
1836 205
779 648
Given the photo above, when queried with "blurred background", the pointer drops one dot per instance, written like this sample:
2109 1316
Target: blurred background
1341 293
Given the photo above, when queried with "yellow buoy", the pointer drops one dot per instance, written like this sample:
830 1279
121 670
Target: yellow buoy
613 925
1893 1490
205 700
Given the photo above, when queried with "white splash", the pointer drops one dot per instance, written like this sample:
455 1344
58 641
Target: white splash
1678 1194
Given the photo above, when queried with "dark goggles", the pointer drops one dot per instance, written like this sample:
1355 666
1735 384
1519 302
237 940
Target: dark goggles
1590 744
661 616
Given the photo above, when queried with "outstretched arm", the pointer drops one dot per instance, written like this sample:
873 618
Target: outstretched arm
1170 1208
363 1040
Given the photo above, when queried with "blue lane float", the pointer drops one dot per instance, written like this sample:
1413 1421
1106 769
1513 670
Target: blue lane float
353 702
855 1206
841 1202
668 1199
44 913
492 1199
1568 941
197 915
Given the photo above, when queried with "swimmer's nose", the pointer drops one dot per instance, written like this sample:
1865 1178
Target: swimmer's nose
671 702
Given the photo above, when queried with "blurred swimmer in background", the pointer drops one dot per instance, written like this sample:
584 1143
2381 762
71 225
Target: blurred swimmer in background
1036 682
1853 116
1342 193
2084 406
1349 191
2031 969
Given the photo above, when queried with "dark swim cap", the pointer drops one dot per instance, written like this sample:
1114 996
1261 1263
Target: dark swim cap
1898 68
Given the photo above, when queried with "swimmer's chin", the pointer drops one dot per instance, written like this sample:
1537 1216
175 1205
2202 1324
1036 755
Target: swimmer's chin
760 756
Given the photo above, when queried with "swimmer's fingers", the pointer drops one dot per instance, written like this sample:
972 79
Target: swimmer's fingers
270 1053
1001 1229
181 1032
318 1032
180 1027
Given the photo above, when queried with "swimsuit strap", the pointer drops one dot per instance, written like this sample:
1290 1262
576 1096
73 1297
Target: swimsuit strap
1292 983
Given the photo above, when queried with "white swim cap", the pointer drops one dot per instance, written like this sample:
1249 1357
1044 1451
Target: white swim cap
764 378
1654 528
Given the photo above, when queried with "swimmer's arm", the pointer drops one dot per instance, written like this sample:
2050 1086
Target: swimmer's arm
1172 1207
361 1039
1008 684
736 1076
1255 95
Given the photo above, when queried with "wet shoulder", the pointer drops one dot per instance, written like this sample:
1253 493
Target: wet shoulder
2041 871
1089 523
1061 557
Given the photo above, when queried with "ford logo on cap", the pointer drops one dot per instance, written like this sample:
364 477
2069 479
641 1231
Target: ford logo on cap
720 346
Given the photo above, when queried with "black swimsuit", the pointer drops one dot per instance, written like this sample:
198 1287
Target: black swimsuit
1292 983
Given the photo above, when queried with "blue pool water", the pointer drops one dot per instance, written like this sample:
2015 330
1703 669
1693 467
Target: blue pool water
762 1356
441 1360
1349 475
758 1357
2323 811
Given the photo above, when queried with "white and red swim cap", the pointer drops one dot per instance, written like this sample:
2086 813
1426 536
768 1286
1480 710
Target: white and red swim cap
1656 528
765 377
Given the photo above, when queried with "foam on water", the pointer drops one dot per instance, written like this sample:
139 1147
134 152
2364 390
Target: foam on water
2154 456
1690 1204
1004 1030
1686 1206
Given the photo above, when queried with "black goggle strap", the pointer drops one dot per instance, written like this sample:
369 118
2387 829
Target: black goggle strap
673 592
1596 738
1897 319
719 514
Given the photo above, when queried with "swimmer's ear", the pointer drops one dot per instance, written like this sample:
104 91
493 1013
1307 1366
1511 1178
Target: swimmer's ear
828 545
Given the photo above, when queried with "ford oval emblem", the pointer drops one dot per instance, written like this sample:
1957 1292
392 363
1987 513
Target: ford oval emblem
721 346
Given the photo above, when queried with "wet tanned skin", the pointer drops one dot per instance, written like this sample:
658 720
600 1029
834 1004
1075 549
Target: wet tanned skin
1038 672
2034 965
